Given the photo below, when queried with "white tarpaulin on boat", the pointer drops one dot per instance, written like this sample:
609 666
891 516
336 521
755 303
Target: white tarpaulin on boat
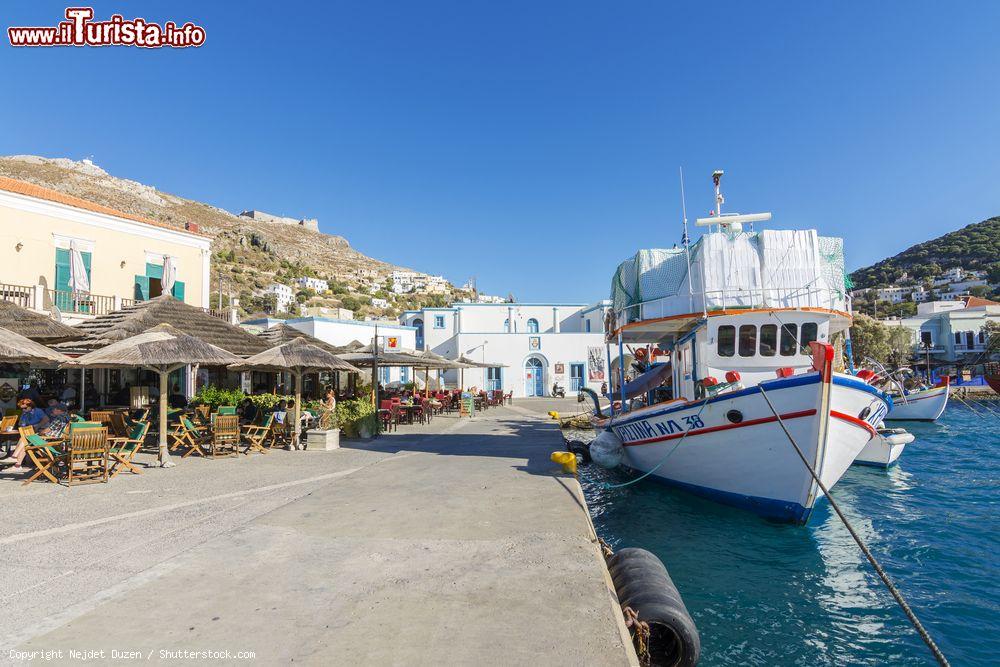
730 270
789 267
772 268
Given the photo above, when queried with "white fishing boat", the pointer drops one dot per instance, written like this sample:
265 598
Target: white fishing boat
744 321
924 405
885 448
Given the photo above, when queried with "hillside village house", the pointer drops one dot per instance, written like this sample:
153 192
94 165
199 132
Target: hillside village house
950 332
534 345
316 284
122 254
284 297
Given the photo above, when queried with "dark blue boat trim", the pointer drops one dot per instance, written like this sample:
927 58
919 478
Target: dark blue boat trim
768 508
862 386
872 465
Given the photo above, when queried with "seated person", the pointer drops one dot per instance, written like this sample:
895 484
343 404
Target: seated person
248 411
32 416
50 404
58 422
176 399
281 412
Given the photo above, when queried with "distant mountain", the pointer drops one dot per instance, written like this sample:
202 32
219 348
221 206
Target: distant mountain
975 247
249 252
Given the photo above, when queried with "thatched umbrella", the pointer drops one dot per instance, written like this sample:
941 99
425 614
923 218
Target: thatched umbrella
39 328
299 357
436 361
17 349
469 363
162 349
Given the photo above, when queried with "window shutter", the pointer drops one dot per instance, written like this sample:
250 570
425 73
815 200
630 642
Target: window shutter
178 290
154 270
62 270
142 288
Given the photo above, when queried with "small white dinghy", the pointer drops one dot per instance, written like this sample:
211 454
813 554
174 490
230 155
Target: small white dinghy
926 405
885 448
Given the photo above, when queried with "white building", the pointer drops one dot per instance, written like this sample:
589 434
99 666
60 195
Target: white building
315 284
283 296
328 311
341 332
379 303
950 276
489 298
534 345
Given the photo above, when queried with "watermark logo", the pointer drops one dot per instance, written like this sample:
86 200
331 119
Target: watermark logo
79 29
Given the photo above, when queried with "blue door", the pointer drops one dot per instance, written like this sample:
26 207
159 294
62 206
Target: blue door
576 382
534 377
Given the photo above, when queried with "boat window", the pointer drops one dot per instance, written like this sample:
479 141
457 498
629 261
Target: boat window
727 341
768 340
809 330
789 334
748 340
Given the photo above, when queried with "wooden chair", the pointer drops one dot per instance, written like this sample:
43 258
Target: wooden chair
45 454
227 409
102 416
281 434
86 457
257 434
83 426
225 436
8 423
387 415
119 429
203 413
193 438
123 450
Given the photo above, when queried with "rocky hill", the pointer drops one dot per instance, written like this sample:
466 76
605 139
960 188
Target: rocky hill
974 247
248 254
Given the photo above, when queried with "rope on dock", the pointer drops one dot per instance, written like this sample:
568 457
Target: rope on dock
900 600
657 466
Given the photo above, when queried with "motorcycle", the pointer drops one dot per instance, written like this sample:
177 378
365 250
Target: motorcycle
558 392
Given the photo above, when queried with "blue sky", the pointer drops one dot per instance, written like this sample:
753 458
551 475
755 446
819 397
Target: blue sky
536 144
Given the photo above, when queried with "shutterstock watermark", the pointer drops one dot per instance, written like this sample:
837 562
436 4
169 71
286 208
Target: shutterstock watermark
79 29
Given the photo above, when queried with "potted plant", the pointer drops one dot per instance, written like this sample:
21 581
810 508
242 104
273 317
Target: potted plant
325 434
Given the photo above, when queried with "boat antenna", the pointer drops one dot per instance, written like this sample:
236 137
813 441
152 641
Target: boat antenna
686 240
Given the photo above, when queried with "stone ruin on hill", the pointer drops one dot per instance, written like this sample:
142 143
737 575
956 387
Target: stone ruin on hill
261 216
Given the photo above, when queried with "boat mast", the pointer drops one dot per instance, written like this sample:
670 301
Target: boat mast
687 241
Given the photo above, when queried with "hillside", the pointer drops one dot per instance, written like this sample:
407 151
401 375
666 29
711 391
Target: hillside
974 247
248 254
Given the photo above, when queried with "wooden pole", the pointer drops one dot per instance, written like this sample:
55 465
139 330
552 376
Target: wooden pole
164 457
298 407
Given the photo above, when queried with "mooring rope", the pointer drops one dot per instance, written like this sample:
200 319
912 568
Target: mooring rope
974 411
646 474
900 600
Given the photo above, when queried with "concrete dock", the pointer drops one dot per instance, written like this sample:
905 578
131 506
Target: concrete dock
450 543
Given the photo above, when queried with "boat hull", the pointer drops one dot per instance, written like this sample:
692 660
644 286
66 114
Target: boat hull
736 452
884 449
925 405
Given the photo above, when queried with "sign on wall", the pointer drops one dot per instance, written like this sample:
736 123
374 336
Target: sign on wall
560 368
392 342
595 364
534 342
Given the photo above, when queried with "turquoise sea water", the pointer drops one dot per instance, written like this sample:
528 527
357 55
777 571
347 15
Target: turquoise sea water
769 594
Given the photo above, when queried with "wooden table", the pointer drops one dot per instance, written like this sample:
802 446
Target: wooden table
9 439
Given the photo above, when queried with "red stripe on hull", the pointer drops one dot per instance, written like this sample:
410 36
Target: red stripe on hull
854 420
723 427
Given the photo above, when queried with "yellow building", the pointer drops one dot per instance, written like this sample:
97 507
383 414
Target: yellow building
123 254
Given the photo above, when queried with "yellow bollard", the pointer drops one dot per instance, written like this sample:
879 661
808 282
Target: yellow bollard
554 414
566 459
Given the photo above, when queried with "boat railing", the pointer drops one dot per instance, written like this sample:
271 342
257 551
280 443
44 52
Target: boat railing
726 299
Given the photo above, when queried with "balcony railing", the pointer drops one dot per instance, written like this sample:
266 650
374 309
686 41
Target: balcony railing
75 302
20 294
38 297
